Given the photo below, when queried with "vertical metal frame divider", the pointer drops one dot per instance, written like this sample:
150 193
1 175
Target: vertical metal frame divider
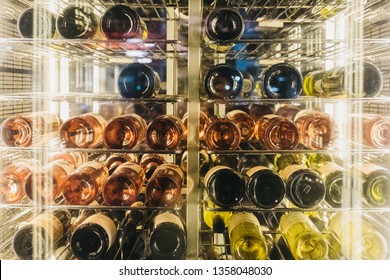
194 60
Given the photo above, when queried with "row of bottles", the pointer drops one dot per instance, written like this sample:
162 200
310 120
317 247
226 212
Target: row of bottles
119 180
91 130
298 235
94 235
313 129
80 22
304 184
285 81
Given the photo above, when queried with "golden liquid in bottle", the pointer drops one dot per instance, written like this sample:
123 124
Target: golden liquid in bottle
125 132
244 122
302 237
246 239
281 161
312 83
359 239
277 133
84 185
116 159
215 220
83 131
222 134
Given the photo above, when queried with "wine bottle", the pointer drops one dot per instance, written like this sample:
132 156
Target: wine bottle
13 179
29 129
316 129
124 185
375 181
93 238
244 122
77 22
315 160
125 132
215 220
277 133
204 162
334 81
122 22
164 186
257 111
224 186
168 237
265 188
138 80
128 236
312 83
150 162
359 238
83 131
222 134
165 133
375 128
116 159
247 241
248 85
333 176
204 121
43 26
223 26
84 185
36 237
281 161
44 185
223 81
74 158
287 111
229 160
281 80
304 187
302 237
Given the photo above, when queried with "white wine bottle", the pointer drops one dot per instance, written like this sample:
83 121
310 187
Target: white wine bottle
302 237
247 241
216 220
360 240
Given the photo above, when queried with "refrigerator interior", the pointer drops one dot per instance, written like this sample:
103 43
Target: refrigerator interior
75 76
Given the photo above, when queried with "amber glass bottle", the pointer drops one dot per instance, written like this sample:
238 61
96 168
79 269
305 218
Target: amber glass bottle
74 158
316 129
125 132
44 185
204 121
124 185
116 159
222 134
164 186
277 133
165 133
150 162
83 131
375 128
30 129
244 122
84 185
13 179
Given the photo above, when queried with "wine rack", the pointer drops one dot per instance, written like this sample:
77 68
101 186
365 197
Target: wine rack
75 76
